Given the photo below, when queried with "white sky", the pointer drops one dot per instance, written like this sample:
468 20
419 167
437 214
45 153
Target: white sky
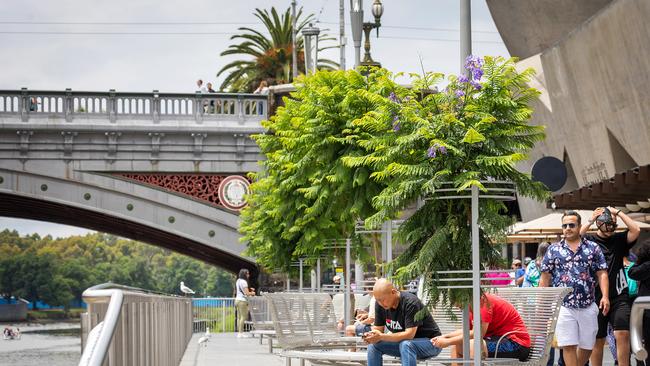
40 56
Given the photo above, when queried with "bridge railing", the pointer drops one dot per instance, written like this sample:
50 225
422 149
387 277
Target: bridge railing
116 106
128 326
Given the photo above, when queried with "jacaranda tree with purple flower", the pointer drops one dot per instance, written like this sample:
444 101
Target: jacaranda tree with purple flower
335 155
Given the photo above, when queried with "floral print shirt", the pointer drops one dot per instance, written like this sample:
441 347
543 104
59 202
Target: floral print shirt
576 270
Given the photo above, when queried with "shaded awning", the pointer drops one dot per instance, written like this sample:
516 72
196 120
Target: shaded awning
629 189
548 228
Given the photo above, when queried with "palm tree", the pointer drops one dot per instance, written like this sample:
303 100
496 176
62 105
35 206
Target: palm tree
271 57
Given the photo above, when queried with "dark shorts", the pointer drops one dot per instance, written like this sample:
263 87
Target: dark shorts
359 329
618 316
507 348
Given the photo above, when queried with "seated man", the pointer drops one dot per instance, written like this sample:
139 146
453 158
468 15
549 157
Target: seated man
410 339
363 321
498 318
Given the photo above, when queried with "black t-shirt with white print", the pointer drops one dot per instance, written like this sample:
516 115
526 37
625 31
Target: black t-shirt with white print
397 320
614 248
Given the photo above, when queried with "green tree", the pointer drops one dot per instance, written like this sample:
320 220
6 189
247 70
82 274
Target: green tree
266 57
381 147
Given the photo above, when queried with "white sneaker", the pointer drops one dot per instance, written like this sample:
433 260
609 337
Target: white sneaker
239 335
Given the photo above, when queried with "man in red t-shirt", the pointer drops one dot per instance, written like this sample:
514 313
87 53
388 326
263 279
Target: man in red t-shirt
498 317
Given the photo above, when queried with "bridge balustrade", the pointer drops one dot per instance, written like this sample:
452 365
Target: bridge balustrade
128 326
115 106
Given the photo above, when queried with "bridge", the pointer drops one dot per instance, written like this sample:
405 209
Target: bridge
168 169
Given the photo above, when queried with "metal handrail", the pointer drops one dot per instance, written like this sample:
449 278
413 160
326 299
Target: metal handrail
109 300
636 327
97 347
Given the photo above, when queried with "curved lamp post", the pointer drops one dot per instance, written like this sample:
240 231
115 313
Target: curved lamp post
310 35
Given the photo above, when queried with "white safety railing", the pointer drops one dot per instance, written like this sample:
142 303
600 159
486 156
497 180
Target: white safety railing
217 313
128 326
641 304
114 105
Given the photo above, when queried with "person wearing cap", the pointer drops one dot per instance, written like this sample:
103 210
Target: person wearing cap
615 247
579 264
519 272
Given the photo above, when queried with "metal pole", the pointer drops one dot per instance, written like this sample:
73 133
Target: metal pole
300 283
318 274
356 24
312 278
288 282
346 301
342 39
358 275
389 241
465 51
466 332
476 279
465 32
294 51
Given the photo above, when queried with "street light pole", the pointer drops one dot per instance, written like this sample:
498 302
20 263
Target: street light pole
294 51
356 18
466 51
465 33
342 39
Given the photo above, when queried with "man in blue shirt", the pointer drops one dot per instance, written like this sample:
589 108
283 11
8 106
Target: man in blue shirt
519 272
576 263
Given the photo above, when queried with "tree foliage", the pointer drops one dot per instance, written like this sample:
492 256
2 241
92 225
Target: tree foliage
57 271
267 57
350 147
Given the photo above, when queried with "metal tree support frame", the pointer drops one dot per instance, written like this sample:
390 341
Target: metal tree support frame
494 189
129 326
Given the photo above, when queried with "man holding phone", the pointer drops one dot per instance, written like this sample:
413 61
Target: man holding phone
409 339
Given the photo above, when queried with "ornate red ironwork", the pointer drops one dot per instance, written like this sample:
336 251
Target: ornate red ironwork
200 186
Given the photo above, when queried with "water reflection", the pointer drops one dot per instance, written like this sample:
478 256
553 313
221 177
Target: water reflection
59 344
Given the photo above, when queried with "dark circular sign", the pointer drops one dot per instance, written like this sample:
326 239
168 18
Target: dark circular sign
550 171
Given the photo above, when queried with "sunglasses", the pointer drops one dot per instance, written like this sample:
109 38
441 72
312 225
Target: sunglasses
570 225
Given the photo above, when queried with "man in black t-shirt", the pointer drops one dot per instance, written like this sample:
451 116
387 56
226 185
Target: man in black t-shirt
615 246
409 339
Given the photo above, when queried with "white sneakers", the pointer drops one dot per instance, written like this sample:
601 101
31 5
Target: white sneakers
243 335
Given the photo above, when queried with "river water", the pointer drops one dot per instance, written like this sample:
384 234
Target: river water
54 344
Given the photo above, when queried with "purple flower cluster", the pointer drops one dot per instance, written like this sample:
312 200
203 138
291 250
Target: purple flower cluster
436 148
475 67
393 98
396 123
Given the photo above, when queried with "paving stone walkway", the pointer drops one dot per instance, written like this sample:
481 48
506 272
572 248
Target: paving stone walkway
227 349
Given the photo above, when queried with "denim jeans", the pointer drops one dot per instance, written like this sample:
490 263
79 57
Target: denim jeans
409 351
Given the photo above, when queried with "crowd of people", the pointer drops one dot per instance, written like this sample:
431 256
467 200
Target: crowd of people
214 105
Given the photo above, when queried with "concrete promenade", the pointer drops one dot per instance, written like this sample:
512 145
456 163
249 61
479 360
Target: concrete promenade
226 349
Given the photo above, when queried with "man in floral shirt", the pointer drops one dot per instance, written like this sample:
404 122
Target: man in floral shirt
577 263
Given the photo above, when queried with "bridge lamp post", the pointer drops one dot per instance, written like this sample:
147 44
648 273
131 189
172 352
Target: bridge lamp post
310 35
356 14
